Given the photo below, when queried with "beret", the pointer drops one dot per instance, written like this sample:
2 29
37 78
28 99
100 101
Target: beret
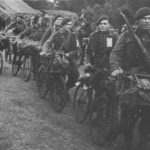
55 18
104 17
144 11
65 21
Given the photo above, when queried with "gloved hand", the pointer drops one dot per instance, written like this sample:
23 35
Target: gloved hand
88 65
117 72
42 53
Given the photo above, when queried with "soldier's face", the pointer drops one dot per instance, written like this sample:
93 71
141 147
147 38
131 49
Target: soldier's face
104 25
32 19
68 25
19 19
40 20
58 21
144 23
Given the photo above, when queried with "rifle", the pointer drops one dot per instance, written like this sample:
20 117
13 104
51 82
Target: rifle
137 40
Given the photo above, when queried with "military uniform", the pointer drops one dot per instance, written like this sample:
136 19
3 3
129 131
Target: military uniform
127 55
17 27
57 39
32 33
66 42
97 53
81 33
48 33
99 47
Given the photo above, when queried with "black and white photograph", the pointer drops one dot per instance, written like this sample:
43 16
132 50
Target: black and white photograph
74 74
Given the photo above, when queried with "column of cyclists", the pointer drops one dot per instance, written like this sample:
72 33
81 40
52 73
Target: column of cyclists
112 103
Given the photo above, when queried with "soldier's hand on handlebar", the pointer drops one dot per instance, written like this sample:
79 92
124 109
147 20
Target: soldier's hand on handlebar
88 65
67 54
117 72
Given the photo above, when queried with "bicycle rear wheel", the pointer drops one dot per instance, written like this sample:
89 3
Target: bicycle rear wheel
1 63
81 103
15 66
27 68
8 55
58 94
42 82
101 120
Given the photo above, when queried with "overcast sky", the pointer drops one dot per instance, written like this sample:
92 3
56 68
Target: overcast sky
51 0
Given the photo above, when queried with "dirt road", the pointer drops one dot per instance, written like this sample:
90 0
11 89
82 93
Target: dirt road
29 123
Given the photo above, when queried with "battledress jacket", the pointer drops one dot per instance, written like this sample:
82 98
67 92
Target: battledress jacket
33 33
99 47
17 27
48 33
64 41
127 55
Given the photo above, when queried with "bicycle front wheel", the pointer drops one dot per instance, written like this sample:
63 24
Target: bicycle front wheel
27 68
42 82
15 66
81 103
101 119
58 95
1 63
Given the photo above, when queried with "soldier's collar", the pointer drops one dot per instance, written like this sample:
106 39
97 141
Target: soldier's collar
103 32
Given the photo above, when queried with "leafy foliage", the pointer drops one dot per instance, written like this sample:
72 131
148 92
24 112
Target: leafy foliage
92 9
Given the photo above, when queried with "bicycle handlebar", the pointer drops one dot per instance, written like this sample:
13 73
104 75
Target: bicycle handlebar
93 69
142 80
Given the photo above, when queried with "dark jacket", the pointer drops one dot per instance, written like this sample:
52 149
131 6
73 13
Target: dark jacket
61 41
48 33
127 55
99 47
33 33
17 27
83 32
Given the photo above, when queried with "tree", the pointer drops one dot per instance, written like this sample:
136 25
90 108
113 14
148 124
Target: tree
76 5
61 5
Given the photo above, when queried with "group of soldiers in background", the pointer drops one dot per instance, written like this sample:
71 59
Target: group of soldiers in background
105 49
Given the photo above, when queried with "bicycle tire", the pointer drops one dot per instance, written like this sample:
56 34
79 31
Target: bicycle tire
10 58
81 104
27 68
101 120
15 66
42 82
1 63
58 94
6 55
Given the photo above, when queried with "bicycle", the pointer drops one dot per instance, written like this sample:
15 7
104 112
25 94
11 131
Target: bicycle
24 60
23 64
108 113
83 96
51 79
1 62
27 68
9 41
101 116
